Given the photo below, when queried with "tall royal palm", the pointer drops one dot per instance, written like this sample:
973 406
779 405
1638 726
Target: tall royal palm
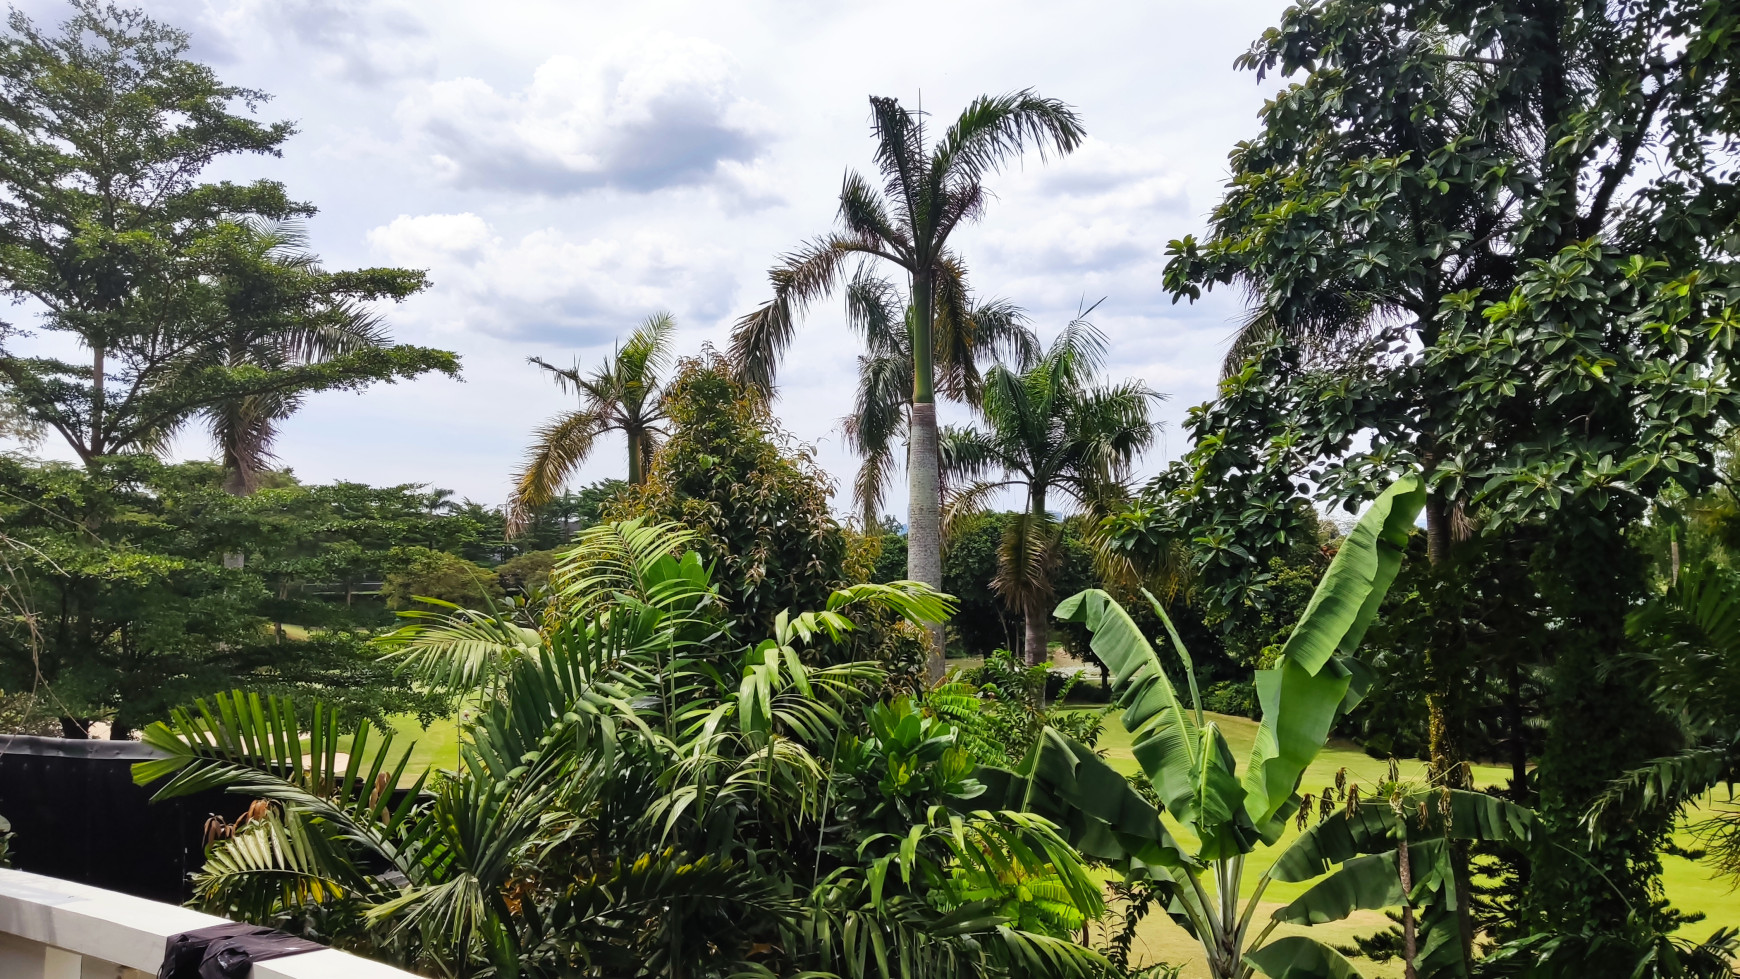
625 394
1049 428
926 193
880 418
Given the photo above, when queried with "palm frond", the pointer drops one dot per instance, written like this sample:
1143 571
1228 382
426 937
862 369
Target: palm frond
967 502
458 650
992 129
558 449
760 338
1664 784
279 861
1027 557
632 558
648 350
864 214
966 455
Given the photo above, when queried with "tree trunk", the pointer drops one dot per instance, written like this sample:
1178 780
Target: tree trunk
1038 636
636 458
1410 947
924 503
1038 629
1437 529
94 439
1444 706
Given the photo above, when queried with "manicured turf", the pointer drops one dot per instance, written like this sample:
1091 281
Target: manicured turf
436 747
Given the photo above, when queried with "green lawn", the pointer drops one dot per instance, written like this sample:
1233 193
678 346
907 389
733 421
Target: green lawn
436 747
1689 886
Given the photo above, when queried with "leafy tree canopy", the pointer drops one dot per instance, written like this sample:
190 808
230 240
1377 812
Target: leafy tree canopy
1493 242
178 289
123 603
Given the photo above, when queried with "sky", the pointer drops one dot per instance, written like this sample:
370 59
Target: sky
564 169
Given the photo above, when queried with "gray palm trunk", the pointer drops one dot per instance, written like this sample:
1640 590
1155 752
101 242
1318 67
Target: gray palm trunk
636 455
924 498
1038 625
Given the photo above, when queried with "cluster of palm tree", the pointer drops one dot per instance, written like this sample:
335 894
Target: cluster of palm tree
1049 428
640 794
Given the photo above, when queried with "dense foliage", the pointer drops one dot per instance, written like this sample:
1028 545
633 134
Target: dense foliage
642 795
1494 278
191 298
123 604
1493 242
757 498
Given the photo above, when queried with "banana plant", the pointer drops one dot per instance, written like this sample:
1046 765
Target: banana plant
1232 812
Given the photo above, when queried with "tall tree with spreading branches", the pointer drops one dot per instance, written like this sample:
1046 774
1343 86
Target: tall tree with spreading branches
164 281
1493 241
925 194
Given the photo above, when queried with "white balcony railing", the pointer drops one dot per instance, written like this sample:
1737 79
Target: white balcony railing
55 929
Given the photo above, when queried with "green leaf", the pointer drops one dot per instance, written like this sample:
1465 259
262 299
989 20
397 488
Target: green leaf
1298 957
1301 696
1092 804
1165 737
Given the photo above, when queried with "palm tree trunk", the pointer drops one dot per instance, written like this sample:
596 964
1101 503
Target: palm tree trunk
1038 636
636 453
1038 629
924 504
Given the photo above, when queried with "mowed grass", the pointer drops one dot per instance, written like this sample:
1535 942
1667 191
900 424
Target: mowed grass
1689 884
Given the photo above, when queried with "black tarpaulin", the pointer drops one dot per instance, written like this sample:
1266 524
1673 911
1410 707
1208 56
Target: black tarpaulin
227 951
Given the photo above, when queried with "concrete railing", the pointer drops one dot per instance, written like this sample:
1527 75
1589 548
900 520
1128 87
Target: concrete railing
55 929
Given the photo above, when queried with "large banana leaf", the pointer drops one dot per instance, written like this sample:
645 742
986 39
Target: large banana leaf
1167 742
1364 883
1091 803
1298 957
1375 828
1302 695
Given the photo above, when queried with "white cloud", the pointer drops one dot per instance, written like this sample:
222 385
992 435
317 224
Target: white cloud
659 113
547 285
1096 221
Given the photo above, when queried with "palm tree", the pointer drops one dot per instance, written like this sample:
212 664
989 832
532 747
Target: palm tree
280 310
925 196
625 394
1048 428
880 414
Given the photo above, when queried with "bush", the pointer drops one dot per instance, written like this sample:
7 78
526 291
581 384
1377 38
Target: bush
755 496
1235 697
424 573
527 573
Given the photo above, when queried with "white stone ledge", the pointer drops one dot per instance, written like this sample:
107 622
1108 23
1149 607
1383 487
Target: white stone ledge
42 919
